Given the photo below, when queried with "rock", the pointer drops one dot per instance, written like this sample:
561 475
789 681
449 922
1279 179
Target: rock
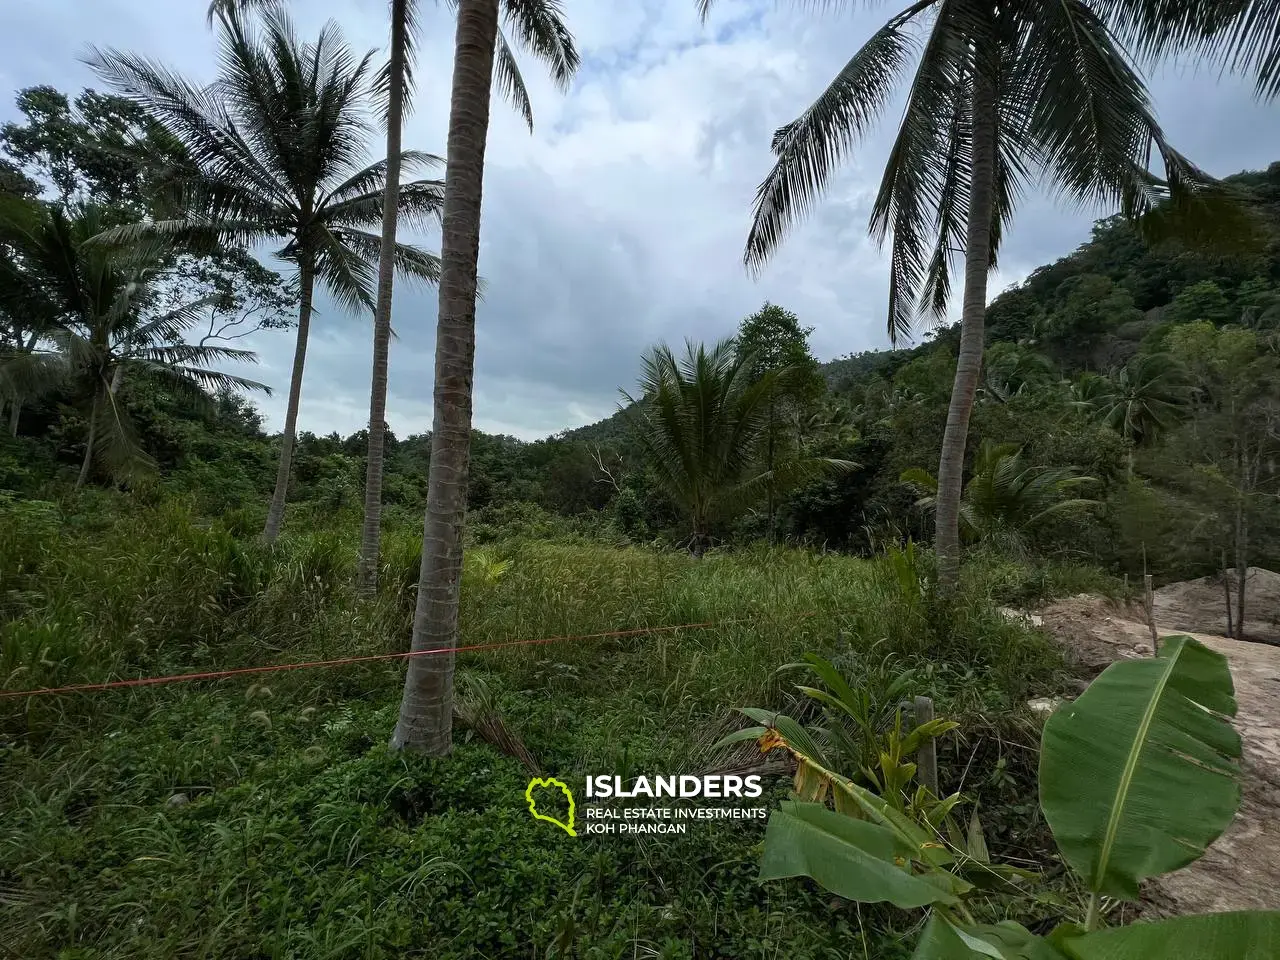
1030 619
1045 705
178 800
1200 606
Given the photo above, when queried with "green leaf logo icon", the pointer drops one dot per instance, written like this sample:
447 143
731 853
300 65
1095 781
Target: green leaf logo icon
548 784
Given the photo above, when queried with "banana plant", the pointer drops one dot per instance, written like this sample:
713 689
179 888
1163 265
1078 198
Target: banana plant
1137 777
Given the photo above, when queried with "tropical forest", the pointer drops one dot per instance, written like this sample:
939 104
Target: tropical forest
960 641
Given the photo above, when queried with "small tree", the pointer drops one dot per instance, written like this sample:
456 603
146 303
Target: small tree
772 339
1005 497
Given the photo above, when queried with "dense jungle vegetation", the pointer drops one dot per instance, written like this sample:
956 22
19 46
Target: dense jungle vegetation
1125 420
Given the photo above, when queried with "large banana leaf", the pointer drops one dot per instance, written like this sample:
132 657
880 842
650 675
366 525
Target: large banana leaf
944 940
1247 935
854 859
1138 776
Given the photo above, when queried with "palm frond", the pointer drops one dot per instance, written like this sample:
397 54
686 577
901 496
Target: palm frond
219 8
1239 35
373 178
921 188
811 146
507 78
348 276
117 446
421 203
195 382
410 261
538 26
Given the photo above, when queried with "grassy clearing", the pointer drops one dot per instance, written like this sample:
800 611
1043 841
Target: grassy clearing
304 837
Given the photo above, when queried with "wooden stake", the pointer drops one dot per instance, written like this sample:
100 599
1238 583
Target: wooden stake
1149 603
927 756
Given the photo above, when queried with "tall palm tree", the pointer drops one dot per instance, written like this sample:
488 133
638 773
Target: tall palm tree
276 146
426 711
702 424
97 301
999 95
398 81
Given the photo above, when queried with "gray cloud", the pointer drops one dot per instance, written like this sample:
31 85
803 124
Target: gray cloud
621 221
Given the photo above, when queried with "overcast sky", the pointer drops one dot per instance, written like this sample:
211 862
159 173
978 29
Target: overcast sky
621 220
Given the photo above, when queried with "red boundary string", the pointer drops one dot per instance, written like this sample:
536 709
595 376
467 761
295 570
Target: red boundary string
273 668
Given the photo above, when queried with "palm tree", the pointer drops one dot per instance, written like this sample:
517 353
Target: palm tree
1012 369
396 80
275 146
1000 95
1005 497
702 425
96 299
1139 401
426 711
1146 397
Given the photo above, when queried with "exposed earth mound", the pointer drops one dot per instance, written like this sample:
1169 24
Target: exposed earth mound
1242 870
1201 605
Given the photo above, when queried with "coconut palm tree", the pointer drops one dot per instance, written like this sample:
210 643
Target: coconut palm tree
276 147
1012 369
96 300
397 80
1005 497
426 710
1002 96
1145 398
702 424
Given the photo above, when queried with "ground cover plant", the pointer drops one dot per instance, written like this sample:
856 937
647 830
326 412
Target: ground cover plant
265 815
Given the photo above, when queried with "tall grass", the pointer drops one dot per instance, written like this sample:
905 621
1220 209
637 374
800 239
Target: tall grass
298 835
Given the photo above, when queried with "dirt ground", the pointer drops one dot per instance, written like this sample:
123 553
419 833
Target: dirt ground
1242 869
1200 605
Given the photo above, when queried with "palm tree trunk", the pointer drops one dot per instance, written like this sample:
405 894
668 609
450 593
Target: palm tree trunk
426 712
772 536
371 535
969 363
15 410
275 513
93 436
1241 537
